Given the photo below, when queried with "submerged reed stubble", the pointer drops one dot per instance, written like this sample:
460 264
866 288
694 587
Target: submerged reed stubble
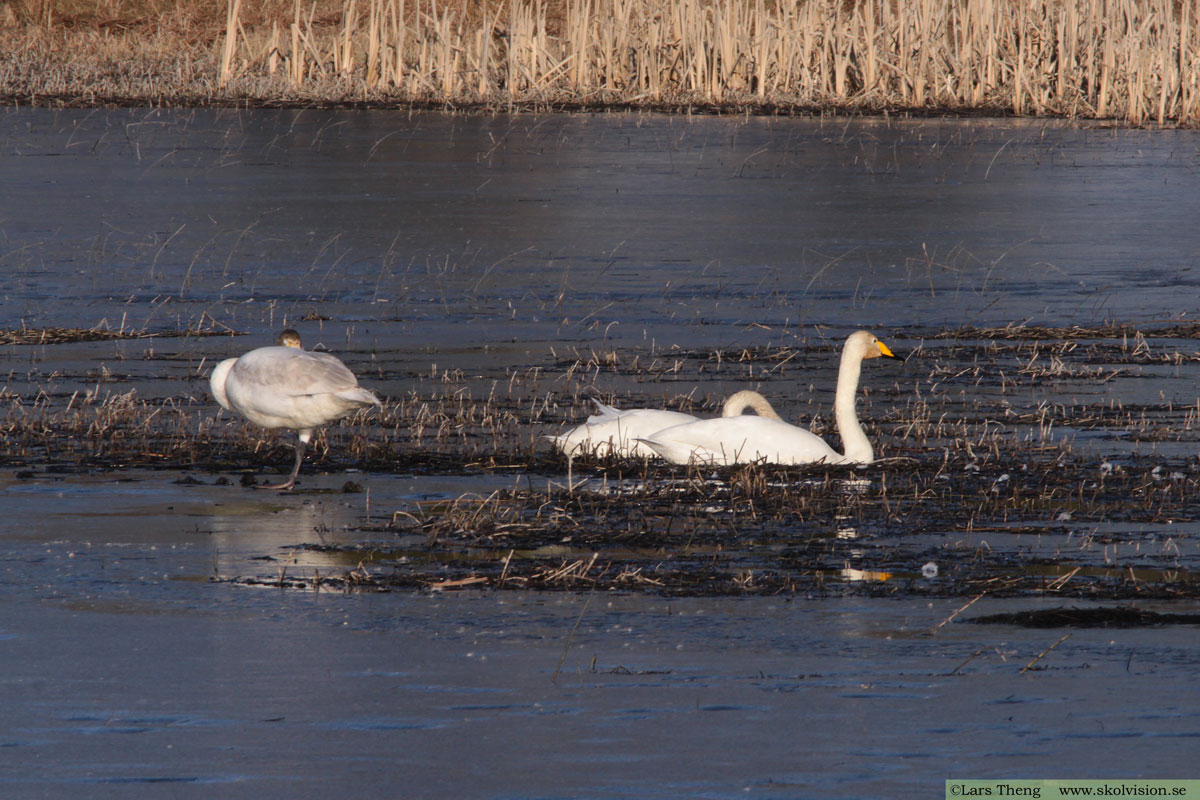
1136 60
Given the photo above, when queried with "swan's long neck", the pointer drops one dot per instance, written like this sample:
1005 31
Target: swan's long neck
738 402
855 444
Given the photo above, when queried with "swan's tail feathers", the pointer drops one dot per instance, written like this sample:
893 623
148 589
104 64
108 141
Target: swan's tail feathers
604 413
360 397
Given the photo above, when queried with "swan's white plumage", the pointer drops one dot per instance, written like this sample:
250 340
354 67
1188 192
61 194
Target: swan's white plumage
741 440
747 439
615 432
285 386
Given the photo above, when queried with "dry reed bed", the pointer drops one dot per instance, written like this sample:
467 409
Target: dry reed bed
1135 60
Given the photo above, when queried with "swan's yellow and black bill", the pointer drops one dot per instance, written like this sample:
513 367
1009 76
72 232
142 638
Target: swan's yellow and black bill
887 351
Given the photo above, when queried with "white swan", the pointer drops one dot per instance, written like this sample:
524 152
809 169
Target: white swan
616 432
288 387
744 440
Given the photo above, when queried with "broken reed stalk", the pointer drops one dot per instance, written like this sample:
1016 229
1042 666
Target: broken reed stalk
1040 655
232 23
1131 59
969 659
504 572
972 602
571 637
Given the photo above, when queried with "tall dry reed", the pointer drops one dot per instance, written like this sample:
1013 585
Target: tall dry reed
1136 60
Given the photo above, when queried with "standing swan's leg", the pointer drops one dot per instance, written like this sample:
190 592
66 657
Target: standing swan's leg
291 481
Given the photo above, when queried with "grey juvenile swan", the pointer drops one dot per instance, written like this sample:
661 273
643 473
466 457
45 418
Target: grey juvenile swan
286 386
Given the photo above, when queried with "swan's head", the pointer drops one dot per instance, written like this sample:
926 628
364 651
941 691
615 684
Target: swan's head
866 345
289 338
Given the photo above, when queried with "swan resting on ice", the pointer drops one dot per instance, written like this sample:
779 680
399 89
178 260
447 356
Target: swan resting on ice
748 439
286 386
613 432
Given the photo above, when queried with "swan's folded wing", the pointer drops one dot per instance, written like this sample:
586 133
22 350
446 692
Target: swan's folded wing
283 387
289 371
740 440
618 435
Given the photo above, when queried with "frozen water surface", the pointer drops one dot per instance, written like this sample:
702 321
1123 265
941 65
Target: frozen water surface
484 243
